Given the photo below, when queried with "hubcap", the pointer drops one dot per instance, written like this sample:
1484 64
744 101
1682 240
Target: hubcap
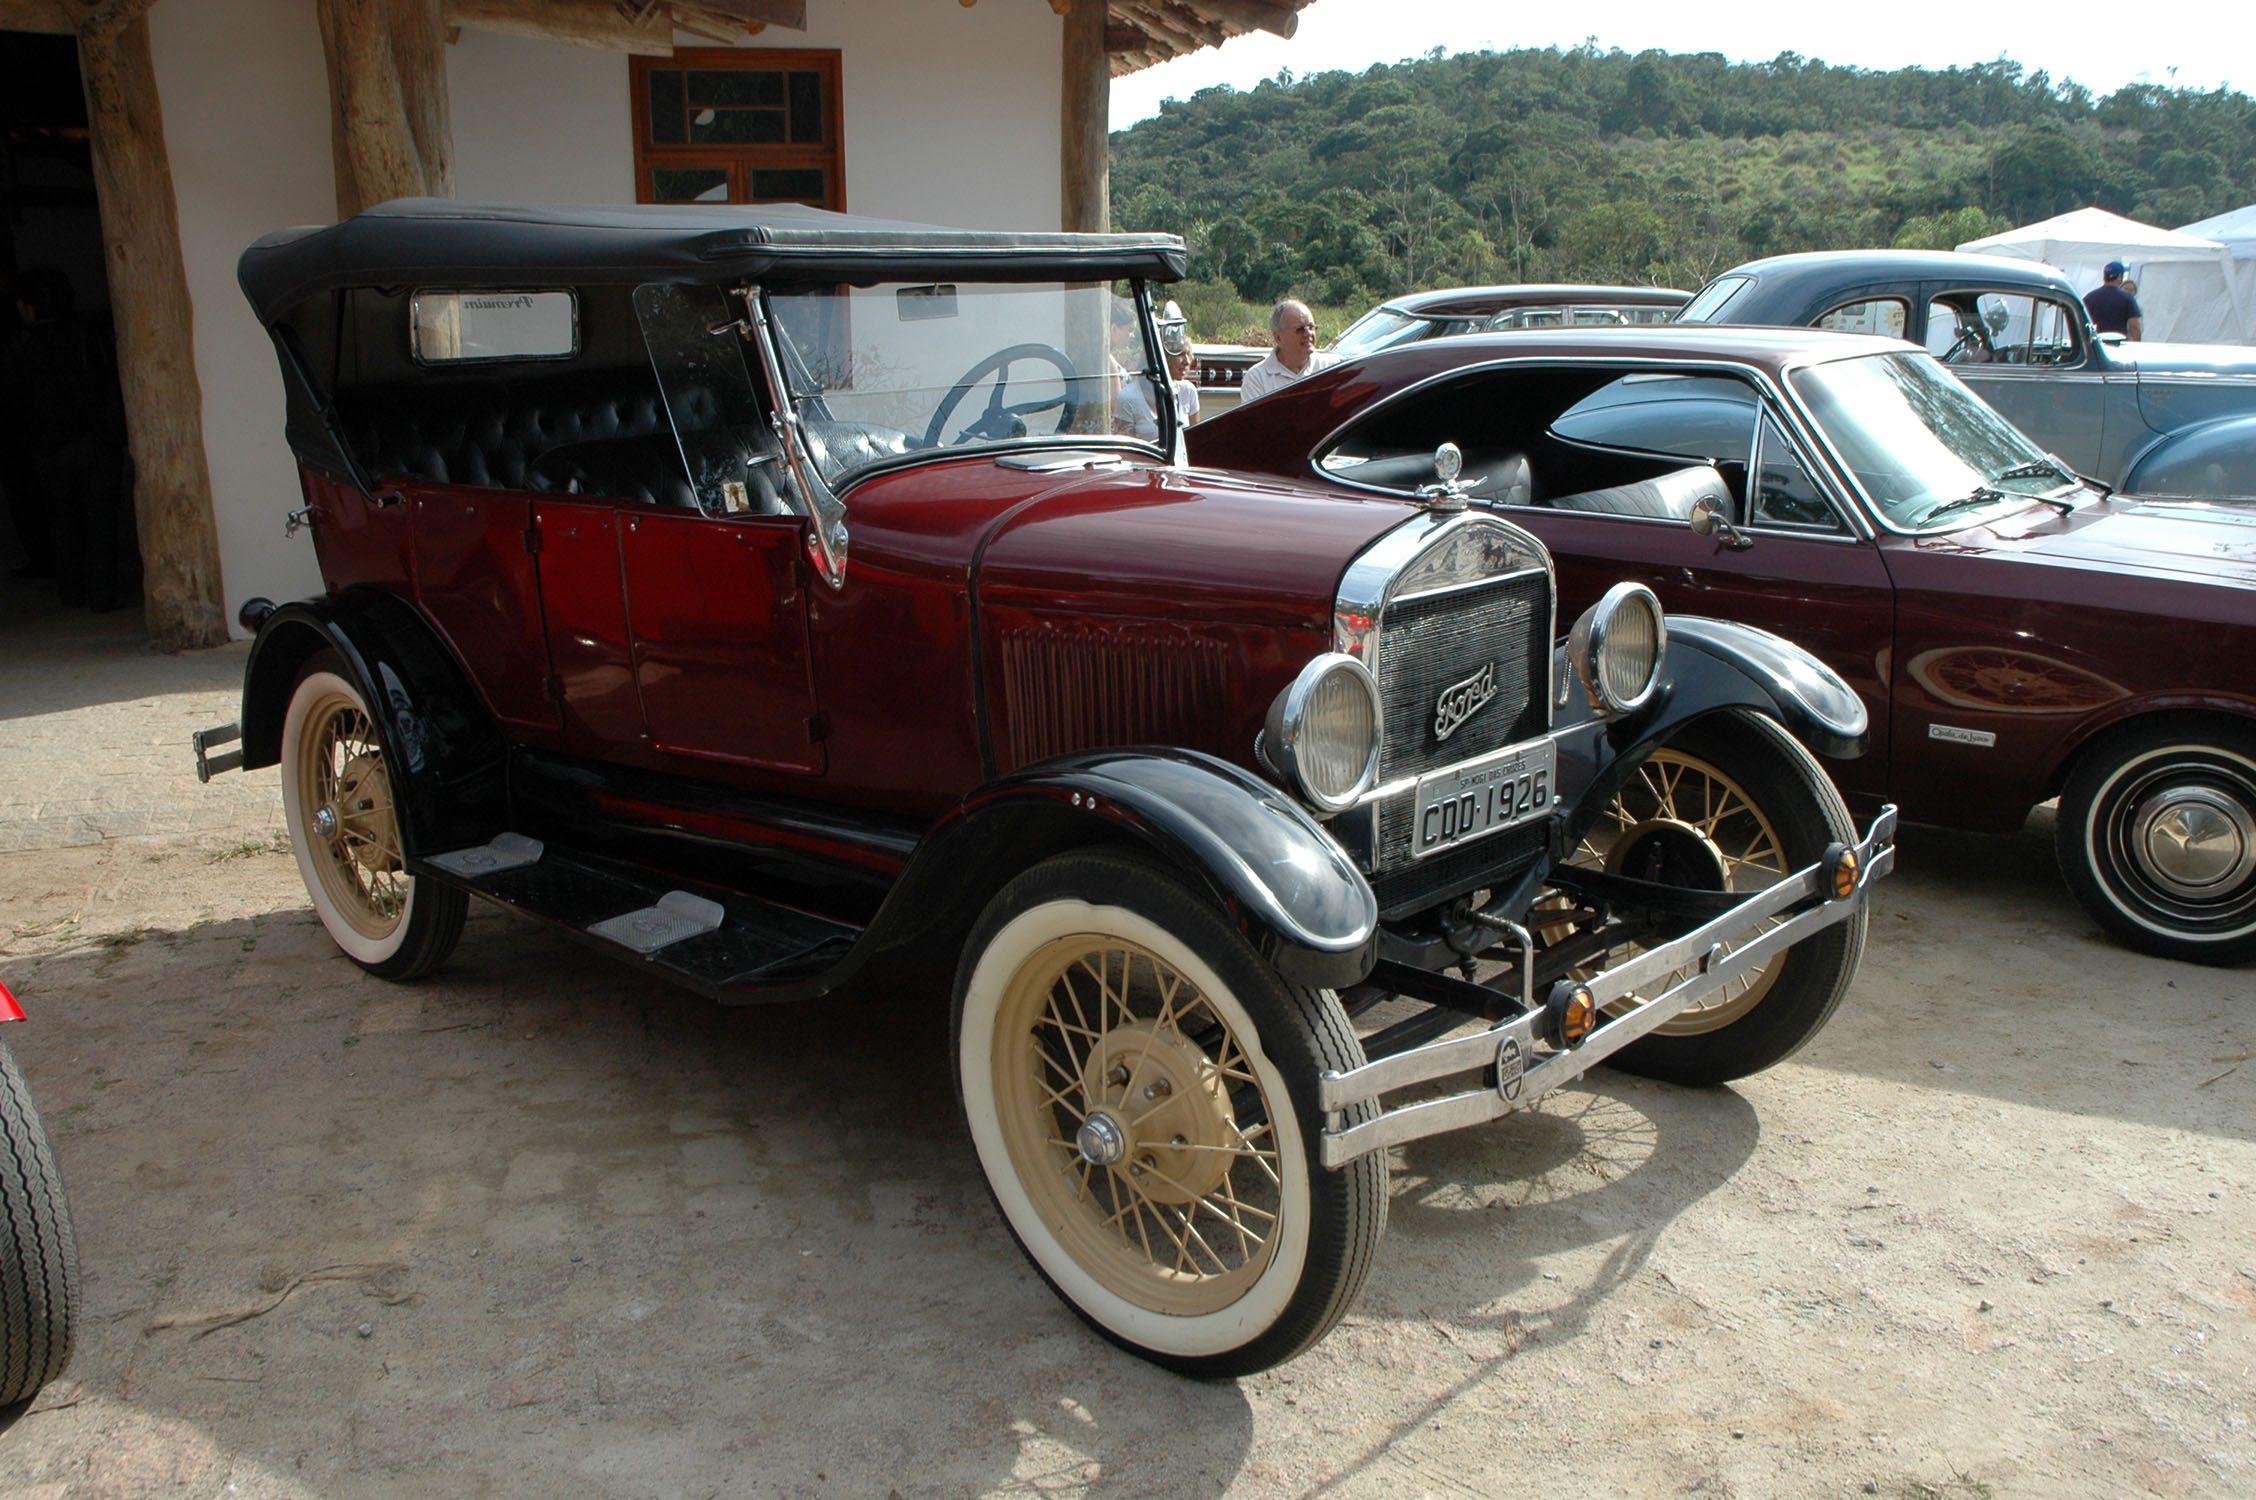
2193 840
1101 1141
325 822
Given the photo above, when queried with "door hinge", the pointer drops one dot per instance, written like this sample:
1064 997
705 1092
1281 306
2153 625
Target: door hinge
553 689
532 539
818 728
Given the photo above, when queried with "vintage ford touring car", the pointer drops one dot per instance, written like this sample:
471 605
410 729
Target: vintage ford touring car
749 592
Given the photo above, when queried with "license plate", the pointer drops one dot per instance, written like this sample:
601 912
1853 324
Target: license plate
1500 790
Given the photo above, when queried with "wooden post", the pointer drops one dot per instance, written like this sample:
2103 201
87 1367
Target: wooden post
390 131
1085 171
156 348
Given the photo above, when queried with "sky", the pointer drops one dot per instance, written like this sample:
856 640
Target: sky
2102 47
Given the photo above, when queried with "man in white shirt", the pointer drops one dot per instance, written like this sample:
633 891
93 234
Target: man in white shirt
1292 328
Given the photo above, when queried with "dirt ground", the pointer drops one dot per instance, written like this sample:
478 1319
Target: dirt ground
534 1227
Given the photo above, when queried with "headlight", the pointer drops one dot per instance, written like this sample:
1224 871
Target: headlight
1617 646
1323 731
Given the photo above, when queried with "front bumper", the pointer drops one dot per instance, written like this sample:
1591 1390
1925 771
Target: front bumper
1524 1061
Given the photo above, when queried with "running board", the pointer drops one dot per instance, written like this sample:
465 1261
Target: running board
724 943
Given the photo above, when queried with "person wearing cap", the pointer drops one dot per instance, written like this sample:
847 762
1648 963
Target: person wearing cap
2112 309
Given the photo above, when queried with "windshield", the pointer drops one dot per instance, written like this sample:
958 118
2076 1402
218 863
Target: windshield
881 371
1929 452
1380 328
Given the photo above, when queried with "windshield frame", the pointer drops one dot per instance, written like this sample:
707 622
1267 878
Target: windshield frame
2004 500
812 404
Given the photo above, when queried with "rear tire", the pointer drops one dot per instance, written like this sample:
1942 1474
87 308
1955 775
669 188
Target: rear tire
1735 803
38 1251
337 800
2157 838
1141 1088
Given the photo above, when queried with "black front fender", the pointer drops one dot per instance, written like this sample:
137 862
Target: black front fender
1803 693
445 752
1297 895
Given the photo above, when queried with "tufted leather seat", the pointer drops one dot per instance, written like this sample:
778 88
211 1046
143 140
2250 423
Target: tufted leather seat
486 433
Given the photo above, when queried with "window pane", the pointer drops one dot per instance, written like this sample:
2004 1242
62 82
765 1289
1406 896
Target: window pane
788 185
1785 495
1882 315
666 106
736 88
452 326
689 185
806 108
736 127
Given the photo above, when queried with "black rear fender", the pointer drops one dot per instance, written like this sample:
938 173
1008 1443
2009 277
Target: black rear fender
444 750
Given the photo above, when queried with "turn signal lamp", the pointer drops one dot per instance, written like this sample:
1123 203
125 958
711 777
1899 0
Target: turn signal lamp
1572 1013
1840 865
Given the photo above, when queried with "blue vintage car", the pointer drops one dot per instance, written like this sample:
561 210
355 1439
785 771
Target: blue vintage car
2145 417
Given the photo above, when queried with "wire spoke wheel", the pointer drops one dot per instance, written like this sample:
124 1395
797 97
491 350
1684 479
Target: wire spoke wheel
340 802
354 828
1133 1132
1141 1088
1734 804
1684 821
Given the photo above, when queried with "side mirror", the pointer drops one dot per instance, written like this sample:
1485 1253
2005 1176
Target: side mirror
1708 519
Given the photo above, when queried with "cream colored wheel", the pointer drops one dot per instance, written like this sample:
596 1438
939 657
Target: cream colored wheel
1731 803
1140 1089
1684 821
338 799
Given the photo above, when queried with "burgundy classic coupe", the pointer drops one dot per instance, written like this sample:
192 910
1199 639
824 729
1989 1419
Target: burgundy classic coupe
751 592
2015 633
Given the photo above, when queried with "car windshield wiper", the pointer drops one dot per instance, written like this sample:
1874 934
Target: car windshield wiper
2038 469
1982 495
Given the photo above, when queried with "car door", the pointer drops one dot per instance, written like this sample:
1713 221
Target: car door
718 618
1801 567
2027 355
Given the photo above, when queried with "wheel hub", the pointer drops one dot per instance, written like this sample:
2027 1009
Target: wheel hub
1668 851
1101 1141
362 810
2194 841
1159 1110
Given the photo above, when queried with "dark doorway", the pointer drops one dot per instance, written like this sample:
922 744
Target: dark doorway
66 529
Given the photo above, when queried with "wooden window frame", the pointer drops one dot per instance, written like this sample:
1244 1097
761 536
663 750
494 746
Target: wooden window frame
740 161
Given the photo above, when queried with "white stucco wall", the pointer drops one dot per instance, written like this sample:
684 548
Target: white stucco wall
246 113
951 117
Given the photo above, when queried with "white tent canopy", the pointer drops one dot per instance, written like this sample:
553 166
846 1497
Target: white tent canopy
2237 232
2187 285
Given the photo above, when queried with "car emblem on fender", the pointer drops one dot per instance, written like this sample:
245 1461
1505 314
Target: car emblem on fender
1460 701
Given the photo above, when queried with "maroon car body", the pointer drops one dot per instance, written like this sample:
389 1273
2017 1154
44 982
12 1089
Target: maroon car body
2022 638
684 588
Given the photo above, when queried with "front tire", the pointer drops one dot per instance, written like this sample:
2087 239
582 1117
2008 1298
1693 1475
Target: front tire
38 1251
1141 1088
1733 803
2157 839
337 801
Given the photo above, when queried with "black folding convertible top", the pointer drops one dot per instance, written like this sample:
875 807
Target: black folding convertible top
440 242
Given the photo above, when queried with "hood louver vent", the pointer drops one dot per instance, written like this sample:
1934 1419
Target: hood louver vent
1086 687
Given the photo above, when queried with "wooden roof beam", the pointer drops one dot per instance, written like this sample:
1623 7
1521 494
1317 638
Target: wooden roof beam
601 24
1252 15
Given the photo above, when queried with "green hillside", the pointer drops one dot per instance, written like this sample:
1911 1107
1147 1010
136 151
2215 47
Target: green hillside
1605 166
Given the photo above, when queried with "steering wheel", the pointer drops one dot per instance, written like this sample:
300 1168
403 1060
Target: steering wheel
1001 421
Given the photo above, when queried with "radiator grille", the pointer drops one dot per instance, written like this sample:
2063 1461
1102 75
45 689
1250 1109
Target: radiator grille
1089 687
1431 644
